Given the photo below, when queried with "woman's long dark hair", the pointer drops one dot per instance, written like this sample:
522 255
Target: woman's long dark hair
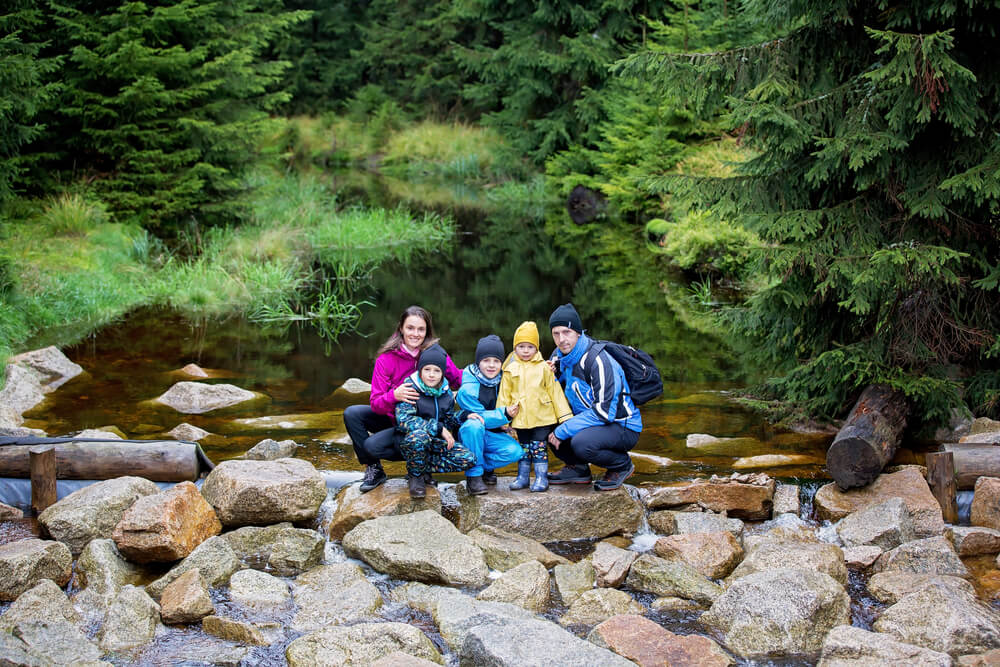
396 339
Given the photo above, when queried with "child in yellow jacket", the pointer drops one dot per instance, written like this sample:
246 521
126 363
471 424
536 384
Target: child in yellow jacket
528 382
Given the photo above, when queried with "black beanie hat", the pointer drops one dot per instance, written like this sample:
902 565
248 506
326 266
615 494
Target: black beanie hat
433 356
566 316
489 346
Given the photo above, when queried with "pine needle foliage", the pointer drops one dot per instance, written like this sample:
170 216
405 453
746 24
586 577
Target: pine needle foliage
874 185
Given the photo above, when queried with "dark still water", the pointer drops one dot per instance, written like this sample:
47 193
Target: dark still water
508 264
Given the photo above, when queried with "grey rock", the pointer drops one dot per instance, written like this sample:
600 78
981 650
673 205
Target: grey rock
531 642
611 564
567 513
258 590
185 431
423 546
93 511
975 540
847 646
14 653
890 587
195 398
24 563
504 550
8 513
426 598
333 594
21 392
598 605
56 642
271 450
786 500
572 580
671 579
526 585
102 568
186 599
248 493
52 368
457 616
392 497
670 522
776 613
861 557
281 549
213 558
932 555
885 525
359 644
822 557
943 619
42 602
131 621
242 632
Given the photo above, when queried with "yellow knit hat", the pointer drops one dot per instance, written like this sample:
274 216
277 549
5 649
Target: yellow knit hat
526 333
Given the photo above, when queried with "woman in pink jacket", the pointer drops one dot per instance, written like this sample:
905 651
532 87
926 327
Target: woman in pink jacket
373 426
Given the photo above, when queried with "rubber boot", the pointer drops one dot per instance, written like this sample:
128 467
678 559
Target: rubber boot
418 489
523 470
541 482
475 486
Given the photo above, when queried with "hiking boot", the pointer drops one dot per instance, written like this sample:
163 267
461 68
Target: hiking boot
374 475
571 475
614 479
523 470
541 482
417 487
430 481
475 486
489 478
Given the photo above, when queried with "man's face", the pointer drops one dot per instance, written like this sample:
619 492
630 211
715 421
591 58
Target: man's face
564 338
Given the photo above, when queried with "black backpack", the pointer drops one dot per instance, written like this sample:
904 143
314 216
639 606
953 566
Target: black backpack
641 373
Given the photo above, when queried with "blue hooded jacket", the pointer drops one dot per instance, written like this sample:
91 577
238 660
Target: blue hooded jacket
475 388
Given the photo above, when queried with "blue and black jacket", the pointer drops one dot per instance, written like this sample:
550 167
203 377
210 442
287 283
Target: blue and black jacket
596 389
431 412
478 394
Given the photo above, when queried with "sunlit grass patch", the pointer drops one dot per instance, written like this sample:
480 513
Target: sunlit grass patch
73 214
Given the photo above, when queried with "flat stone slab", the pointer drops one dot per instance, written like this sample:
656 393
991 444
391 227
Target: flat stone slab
847 646
562 513
390 498
648 644
739 498
196 398
360 644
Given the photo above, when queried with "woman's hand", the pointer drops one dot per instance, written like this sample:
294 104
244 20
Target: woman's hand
448 437
554 441
405 393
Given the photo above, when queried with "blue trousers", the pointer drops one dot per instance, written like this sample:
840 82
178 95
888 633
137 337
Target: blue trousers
492 450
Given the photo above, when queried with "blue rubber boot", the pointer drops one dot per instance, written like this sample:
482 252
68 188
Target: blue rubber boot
541 482
523 470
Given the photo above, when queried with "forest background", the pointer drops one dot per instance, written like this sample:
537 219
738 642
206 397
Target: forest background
835 166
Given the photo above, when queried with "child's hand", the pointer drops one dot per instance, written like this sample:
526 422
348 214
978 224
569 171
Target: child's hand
478 417
554 441
448 437
512 411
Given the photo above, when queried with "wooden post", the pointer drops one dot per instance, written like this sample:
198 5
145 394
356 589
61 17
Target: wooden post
941 477
43 476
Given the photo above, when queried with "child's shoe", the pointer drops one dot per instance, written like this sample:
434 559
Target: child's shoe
475 486
417 487
541 482
523 470
489 478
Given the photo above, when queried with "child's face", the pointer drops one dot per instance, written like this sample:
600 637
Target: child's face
525 351
490 367
431 375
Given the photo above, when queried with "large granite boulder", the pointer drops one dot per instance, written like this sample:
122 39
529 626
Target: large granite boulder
713 554
26 562
818 556
890 587
102 569
777 613
944 619
186 599
52 368
195 398
574 579
213 558
512 643
598 605
44 601
526 585
568 512
359 645
847 646
93 511
272 450
333 594
985 509
54 641
747 497
650 645
390 498
131 621
932 555
671 578
258 590
908 484
281 549
166 526
975 540
886 525
504 550
670 522
21 392
249 493
611 564
422 546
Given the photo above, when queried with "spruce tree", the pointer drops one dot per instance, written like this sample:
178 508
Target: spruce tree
874 182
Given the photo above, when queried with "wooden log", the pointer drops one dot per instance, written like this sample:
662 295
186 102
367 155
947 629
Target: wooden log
972 461
869 437
42 464
156 460
941 477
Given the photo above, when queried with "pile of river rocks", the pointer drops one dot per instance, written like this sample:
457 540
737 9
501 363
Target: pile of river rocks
271 569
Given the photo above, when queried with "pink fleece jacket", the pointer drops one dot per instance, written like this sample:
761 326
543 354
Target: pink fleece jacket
391 368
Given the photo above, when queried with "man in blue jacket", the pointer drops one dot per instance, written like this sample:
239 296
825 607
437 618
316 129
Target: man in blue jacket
605 423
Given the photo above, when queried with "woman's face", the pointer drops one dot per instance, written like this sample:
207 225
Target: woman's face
490 367
431 375
414 331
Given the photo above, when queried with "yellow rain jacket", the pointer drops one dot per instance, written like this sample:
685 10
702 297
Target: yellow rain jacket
532 385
